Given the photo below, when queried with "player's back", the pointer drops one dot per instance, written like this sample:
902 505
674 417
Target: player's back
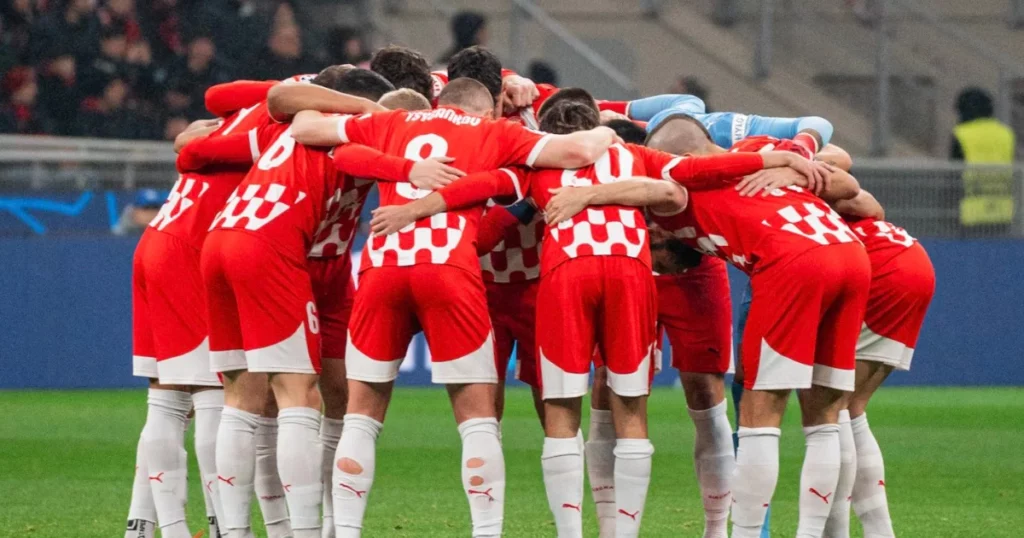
883 240
197 197
474 143
608 230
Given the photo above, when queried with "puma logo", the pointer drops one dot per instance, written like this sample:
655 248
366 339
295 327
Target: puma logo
159 477
486 493
631 516
820 496
359 494
575 507
229 481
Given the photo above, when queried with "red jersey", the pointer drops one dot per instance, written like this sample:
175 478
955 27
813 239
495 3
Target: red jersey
476 144
196 198
517 257
610 230
294 198
883 240
753 232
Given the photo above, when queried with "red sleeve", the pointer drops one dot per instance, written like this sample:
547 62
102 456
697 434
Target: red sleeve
615 106
519 145
230 149
507 73
225 99
367 129
476 189
365 162
807 143
704 172
492 228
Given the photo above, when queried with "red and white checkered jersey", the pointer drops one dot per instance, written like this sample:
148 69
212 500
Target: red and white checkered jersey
196 198
517 257
476 144
291 195
883 240
753 232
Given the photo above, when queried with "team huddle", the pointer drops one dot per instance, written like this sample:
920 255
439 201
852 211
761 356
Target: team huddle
513 215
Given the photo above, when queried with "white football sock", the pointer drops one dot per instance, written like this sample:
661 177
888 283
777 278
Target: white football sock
757 472
562 463
330 433
715 463
600 456
838 524
818 479
164 436
632 478
267 480
208 405
236 469
869 498
358 443
300 463
483 475
141 511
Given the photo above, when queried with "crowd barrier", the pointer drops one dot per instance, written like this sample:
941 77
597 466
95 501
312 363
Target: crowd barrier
65 309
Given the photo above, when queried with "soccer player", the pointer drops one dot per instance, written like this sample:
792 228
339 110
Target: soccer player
249 331
567 332
902 285
429 277
404 68
799 288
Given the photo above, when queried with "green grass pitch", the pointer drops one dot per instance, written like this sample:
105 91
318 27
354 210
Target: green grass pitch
953 462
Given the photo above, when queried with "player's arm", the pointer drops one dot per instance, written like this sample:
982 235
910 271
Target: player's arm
839 185
472 190
655 109
663 197
196 129
222 100
836 156
497 220
240 148
366 162
574 150
862 205
284 101
820 129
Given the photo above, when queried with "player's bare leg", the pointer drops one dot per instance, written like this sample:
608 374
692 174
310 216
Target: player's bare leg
562 463
757 459
820 407
483 464
633 452
245 396
269 489
869 497
163 441
142 511
334 390
600 453
208 403
356 457
299 450
713 457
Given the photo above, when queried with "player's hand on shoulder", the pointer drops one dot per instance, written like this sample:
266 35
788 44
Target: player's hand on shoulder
434 173
389 219
566 203
518 91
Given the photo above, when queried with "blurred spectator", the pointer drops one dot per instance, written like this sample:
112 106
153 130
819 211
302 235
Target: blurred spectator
283 55
468 28
107 65
690 86
138 214
58 93
163 26
119 15
18 112
542 73
16 18
979 138
193 74
345 46
240 27
112 115
72 31
175 126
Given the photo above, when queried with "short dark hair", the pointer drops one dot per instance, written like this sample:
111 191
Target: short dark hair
578 95
568 117
364 83
974 103
628 131
479 64
466 93
405 68
331 75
